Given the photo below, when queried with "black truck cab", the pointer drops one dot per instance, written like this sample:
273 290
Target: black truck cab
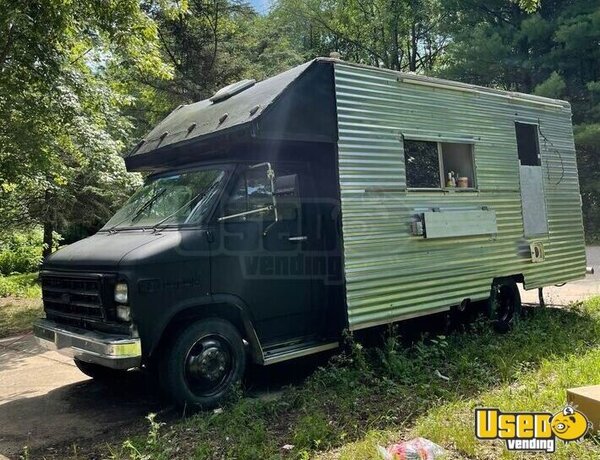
229 252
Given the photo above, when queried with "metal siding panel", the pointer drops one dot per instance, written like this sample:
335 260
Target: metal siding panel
390 273
459 223
533 203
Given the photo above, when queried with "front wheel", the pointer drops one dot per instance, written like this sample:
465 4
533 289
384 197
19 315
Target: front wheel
203 362
504 304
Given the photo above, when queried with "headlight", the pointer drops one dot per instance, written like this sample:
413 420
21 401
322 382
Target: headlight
121 293
124 313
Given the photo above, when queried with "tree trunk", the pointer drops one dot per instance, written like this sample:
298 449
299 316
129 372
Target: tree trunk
396 64
48 225
48 230
413 48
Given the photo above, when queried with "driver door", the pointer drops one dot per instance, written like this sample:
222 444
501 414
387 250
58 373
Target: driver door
262 261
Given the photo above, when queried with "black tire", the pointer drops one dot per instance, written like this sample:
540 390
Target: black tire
504 304
202 364
100 373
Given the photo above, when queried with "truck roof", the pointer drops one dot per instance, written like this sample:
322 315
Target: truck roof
190 121
458 86
271 109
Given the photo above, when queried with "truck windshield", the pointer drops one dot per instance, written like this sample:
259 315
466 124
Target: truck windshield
182 198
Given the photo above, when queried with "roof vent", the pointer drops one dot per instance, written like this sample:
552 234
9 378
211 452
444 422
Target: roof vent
230 90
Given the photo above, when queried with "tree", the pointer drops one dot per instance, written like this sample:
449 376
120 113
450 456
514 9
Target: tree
210 44
396 34
63 127
79 81
588 155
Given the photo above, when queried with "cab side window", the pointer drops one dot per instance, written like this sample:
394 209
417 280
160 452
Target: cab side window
252 191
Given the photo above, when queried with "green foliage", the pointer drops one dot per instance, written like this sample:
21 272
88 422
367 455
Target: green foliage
535 388
314 431
20 251
371 394
81 81
212 44
21 286
502 45
20 303
401 34
552 52
528 5
553 87
587 141
63 125
151 440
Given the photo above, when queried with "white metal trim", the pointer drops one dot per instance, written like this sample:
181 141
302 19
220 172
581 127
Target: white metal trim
453 87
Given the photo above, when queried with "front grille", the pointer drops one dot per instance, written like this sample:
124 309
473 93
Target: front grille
74 297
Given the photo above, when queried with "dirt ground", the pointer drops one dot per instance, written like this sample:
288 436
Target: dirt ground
46 402
47 405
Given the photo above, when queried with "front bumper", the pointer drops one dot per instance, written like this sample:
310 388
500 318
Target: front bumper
109 350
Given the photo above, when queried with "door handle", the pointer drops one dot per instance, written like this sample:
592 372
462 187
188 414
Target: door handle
298 238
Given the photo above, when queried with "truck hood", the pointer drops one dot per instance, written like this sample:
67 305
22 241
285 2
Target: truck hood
107 250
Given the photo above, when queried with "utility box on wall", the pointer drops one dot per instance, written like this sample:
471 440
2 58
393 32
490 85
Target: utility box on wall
456 223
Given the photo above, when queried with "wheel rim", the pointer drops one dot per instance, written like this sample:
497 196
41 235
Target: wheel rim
208 365
505 303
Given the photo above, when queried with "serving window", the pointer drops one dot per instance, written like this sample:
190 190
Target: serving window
439 165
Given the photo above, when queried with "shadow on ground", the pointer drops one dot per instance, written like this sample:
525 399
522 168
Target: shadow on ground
78 412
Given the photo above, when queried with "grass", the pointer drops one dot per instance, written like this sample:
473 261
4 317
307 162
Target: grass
535 364
391 391
20 303
20 286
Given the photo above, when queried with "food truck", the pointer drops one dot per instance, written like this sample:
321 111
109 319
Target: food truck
278 214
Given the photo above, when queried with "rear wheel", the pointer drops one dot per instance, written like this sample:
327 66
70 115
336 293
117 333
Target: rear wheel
504 304
203 362
100 373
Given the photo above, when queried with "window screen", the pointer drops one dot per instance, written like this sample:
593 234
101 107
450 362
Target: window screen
422 164
527 144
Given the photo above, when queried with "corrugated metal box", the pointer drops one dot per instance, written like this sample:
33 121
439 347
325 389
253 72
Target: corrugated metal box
392 274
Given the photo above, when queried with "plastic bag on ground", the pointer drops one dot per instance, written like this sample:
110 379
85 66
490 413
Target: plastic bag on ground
415 449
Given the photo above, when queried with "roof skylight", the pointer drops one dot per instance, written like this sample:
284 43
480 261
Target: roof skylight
230 90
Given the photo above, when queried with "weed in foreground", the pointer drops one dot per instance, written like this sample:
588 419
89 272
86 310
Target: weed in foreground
428 387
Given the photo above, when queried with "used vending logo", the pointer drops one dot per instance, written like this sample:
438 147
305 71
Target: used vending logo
531 431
